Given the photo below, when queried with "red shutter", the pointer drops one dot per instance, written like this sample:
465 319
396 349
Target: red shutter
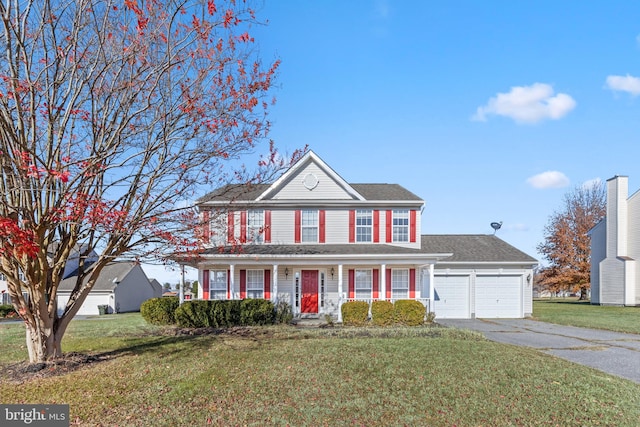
412 226
389 226
230 227
267 284
388 283
376 285
267 226
412 283
206 228
321 231
243 284
352 284
229 284
376 226
205 284
352 226
298 220
243 227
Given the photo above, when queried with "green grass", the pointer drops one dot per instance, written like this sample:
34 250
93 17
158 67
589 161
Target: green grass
570 311
317 377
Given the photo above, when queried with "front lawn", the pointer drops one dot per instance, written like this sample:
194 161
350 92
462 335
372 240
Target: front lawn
570 311
334 377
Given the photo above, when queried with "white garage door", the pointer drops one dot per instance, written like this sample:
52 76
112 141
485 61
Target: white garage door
90 305
451 297
498 296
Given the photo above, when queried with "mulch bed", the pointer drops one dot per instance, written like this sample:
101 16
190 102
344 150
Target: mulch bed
24 371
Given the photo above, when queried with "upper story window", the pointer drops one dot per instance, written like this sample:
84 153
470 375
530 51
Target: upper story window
400 225
255 226
218 284
255 283
364 225
309 226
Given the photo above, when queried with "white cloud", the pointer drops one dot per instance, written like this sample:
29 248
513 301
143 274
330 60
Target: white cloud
626 83
527 104
549 179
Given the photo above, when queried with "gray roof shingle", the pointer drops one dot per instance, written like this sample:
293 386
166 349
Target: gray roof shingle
105 282
474 248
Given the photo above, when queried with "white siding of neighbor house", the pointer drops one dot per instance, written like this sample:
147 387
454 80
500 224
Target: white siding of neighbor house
132 291
633 290
327 188
598 253
613 271
89 306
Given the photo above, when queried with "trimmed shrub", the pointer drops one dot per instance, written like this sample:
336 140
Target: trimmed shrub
7 310
355 313
409 312
193 314
382 313
284 312
256 312
160 311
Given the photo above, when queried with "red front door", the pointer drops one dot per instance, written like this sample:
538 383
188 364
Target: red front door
309 303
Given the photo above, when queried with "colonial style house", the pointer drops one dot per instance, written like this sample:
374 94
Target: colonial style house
316 241
615 248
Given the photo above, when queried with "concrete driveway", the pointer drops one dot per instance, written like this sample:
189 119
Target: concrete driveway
612 352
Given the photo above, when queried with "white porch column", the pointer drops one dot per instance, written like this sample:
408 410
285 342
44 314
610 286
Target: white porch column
383 282
274 279
339 293
232 289
432 289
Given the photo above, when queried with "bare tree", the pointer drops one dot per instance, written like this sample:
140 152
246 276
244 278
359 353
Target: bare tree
111 115
567 244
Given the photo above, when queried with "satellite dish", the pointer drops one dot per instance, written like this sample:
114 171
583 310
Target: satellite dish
496 226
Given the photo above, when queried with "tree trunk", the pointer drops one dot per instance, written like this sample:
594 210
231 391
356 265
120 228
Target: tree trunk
42 342
583 294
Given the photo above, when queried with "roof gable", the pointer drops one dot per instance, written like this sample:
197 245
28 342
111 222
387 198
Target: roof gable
310 178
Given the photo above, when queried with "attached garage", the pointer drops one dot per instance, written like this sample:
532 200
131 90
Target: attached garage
451 297
498 296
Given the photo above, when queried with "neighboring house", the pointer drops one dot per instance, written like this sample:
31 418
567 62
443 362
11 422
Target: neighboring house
316 241
615 248
122 286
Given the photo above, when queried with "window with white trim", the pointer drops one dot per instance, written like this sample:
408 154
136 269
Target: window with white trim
255 226
217 284
309 226
364 225
400 283
363 284
400 222
255 283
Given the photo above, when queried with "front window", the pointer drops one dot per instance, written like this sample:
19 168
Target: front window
255 226
217 284
400 283
401 225
255 284
309 226
364 225
363 285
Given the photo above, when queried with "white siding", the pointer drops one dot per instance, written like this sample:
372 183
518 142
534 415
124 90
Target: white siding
337 226
132 291
634 245
326 189
282 227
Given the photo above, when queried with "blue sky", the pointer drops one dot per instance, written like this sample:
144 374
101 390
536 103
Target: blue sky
489 111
